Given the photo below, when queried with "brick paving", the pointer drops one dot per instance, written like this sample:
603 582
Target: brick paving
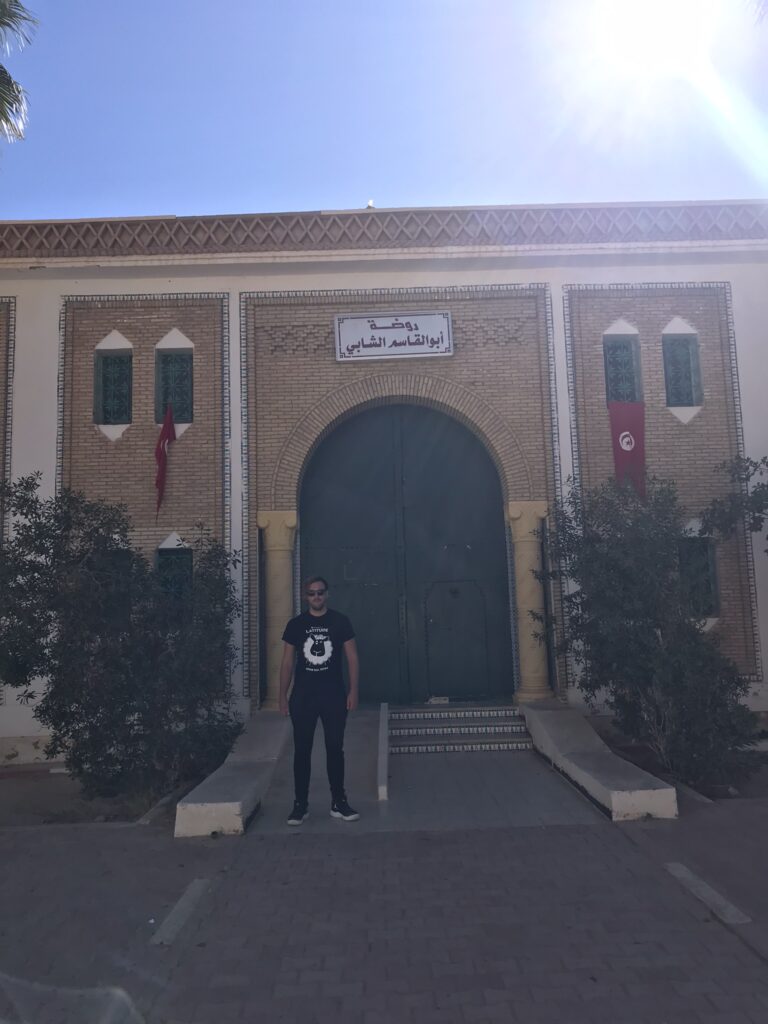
558 922
563 923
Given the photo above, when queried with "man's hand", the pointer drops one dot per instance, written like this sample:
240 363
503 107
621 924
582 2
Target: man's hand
286 674
353 664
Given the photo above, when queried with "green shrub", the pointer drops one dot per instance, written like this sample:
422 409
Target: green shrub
136 693
631 632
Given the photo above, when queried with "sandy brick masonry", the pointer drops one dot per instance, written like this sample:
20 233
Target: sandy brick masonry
685 452
124 470
497 383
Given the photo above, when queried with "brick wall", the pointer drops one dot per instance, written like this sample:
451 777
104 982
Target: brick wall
123 470
497 383
687 453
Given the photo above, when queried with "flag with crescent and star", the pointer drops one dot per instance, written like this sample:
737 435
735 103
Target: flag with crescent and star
628 437
167 436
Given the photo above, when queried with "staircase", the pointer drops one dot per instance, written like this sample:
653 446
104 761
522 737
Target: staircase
457 728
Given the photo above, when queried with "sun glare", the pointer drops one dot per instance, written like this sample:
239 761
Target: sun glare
656 72
653 39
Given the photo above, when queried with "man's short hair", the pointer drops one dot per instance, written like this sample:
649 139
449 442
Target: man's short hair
315 579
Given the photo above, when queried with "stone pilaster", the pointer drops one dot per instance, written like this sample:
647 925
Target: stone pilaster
525 519
278 529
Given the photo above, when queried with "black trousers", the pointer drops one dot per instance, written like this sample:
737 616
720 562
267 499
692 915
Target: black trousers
330 706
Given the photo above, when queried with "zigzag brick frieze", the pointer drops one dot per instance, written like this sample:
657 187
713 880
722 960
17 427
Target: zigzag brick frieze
387 229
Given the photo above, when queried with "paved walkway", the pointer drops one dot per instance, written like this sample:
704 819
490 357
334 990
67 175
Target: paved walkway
432 792
521 904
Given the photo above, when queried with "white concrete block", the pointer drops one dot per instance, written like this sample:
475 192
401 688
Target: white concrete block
564 737
227 799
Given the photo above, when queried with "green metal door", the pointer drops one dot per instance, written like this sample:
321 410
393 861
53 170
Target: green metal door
401 509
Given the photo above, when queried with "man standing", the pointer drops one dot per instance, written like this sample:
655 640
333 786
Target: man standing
312 646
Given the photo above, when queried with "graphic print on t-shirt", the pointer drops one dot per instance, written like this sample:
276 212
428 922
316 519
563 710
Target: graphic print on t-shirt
318 648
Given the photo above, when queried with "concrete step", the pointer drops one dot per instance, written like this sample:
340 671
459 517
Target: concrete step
455 727
462 743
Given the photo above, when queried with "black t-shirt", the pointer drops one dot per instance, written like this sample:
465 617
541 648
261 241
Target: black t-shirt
318 640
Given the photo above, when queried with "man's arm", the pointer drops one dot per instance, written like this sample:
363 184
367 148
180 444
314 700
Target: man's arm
286 674
353 664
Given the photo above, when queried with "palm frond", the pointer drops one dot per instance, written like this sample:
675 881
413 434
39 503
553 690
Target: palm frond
13 107
16 24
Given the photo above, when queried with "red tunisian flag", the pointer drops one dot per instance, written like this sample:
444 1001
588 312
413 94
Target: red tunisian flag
628 437
167 435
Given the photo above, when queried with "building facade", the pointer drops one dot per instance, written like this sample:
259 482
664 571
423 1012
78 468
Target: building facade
392 399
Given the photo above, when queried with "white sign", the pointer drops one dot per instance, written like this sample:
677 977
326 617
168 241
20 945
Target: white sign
393 335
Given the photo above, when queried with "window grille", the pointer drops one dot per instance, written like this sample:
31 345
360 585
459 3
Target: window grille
113 387
698 580
622 369
681 370
173 384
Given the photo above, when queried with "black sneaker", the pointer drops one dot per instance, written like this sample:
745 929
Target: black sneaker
341 809
299 814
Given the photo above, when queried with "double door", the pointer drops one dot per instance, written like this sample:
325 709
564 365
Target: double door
401 510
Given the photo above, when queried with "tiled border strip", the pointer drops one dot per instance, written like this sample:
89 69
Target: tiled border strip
245 509
9 301
752 583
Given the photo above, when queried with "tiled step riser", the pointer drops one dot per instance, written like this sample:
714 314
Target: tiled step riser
449 748
443 730
453 730
460 713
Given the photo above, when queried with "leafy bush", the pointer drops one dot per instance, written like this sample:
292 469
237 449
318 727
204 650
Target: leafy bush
630 630
746 502
136 692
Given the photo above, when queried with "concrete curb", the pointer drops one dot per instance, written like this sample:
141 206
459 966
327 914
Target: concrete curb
382 764
627 792
226 801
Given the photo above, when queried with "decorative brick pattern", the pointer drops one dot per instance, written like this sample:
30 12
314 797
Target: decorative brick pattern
637 223
497 383
687 453
124 470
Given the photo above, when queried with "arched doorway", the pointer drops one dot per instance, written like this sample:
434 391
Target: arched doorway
401 509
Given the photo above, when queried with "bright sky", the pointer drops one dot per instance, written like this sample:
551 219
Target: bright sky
185 107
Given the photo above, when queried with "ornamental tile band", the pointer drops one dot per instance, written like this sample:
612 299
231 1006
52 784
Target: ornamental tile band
388 229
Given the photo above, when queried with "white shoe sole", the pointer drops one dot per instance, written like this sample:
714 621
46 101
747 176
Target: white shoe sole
296 822
351 817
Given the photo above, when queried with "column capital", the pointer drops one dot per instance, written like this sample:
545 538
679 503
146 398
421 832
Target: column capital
525 518
279 528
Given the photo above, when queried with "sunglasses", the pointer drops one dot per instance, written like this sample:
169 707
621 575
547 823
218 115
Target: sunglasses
315 593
